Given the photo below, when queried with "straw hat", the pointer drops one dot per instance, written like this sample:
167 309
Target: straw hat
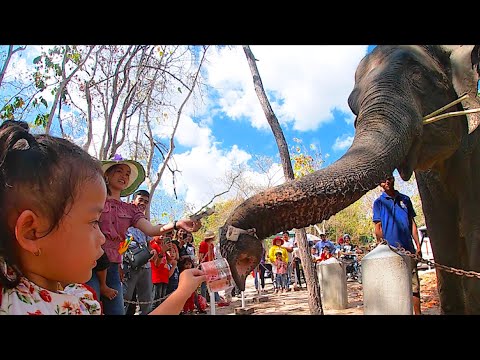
209 234
137 175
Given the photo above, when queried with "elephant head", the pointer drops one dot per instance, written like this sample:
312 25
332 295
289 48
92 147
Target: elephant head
395 88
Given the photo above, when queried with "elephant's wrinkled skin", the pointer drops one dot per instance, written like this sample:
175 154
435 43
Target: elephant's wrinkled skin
395 87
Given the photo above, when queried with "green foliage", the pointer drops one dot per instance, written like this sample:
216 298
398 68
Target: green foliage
8 111
216 220
41 120
351 220
417 206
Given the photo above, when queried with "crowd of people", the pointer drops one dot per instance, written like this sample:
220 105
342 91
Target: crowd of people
283 265
61 240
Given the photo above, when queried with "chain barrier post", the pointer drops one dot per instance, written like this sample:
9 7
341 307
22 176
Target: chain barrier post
387 283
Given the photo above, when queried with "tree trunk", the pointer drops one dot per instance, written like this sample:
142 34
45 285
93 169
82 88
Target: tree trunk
314 298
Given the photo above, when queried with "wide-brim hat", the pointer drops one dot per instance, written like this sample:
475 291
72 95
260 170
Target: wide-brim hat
137 174
209 234
277 238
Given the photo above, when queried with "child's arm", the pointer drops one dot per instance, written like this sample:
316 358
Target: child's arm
173 265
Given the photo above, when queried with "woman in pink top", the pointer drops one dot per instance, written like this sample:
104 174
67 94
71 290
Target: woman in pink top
123 177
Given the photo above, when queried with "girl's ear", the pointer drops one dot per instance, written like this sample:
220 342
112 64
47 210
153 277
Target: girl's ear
27 229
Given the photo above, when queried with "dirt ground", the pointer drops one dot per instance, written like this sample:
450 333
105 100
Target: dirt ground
296 302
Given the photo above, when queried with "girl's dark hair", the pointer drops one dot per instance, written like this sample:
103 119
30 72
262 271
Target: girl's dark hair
183 262
142 193
38 172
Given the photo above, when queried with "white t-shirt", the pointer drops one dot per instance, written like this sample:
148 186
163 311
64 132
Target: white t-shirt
289 244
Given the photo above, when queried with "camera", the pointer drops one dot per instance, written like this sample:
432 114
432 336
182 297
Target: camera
167 239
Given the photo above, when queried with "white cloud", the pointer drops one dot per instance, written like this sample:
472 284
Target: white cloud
342 142
350 118
18 69
201 169
308 82
304 85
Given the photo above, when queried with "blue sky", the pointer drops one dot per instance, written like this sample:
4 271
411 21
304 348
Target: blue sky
308 87
330 129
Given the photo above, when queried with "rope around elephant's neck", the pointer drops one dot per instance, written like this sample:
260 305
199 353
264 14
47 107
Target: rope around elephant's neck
431 118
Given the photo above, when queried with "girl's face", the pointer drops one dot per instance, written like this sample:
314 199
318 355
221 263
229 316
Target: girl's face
118 177
187 265
69 252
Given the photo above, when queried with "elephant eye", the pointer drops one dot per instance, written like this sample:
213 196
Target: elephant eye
416 76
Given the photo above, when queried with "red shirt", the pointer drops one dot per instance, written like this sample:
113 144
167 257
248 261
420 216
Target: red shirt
206 248
117 217
159 273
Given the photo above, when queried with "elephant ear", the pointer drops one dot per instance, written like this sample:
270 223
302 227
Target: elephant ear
464 60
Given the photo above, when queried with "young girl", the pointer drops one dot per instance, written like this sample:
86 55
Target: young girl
122 178
52 195
281 277
195 300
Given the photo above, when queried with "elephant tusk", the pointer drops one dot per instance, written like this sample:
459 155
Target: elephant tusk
447 115
445 107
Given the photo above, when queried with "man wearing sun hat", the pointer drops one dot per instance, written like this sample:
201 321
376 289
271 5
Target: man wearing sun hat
122 177
206 253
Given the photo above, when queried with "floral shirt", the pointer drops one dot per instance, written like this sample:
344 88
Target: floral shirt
281 266
28 298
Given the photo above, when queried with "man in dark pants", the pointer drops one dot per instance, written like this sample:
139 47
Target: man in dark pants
138 281
132 306
393 217
297 266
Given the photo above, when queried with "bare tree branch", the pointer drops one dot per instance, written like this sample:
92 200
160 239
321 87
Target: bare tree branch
220 194
10 53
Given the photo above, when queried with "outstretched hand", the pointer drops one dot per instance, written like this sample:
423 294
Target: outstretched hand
190 280
189 225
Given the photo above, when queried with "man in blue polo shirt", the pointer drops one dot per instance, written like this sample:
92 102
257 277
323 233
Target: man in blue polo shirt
393 217
324 243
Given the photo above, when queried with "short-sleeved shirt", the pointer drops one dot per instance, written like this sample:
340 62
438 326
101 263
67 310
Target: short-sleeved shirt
281 266
173 279
321 244
160 272
206 248
396 216
190 251
117 217
273 251
289 244
27 298
181 248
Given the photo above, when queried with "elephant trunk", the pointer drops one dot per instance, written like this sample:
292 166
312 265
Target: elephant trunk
313 198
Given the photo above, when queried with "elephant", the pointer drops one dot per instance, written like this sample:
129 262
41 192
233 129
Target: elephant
395 88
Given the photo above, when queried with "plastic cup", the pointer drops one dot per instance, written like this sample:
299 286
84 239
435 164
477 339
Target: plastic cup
219 276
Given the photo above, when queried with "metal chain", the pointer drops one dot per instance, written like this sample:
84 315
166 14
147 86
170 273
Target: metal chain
146 302
460 272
